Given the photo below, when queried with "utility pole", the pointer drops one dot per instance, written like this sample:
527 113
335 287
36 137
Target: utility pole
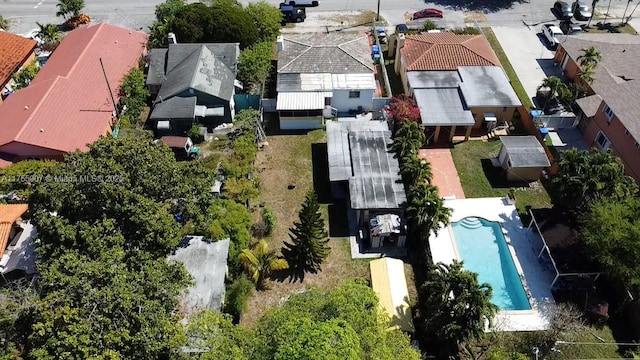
378 13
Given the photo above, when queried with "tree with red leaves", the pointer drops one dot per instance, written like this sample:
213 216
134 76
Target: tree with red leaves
404 108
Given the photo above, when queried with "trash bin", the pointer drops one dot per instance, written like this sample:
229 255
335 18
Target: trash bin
544 132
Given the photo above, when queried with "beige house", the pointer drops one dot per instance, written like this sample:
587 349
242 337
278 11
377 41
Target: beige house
457 81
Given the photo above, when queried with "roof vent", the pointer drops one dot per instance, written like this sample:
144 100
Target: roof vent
280 42
26 107
41 130
171 38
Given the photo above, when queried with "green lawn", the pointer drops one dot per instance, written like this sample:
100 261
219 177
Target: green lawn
506 65
480 179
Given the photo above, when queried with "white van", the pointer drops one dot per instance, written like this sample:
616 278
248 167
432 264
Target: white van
303 2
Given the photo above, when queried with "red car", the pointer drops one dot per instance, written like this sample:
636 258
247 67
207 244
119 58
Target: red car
428 13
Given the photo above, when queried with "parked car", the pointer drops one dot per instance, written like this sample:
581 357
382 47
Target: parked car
303 2
551 33
427 14
562 10
581 11
569 27
292 14
400 28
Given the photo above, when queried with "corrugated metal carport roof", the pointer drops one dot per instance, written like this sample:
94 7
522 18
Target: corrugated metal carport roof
302 100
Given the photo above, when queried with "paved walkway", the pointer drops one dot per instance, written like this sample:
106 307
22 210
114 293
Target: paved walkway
445 175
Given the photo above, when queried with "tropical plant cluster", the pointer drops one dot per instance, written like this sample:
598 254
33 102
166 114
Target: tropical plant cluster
71 12
342 323
23 78
133 97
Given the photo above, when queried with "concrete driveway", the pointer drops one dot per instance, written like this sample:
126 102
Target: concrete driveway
528 54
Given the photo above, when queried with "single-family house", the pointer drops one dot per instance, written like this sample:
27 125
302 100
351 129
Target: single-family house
192 83
318 71
609 115
206 261
363 169
16 240
15 52
523 158
457 82
70 102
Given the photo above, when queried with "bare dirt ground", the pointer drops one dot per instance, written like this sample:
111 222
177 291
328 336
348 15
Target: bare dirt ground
287 162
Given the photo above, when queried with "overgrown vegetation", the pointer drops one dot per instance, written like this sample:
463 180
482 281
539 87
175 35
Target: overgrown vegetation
5 23
49 36
133 97
23 78
254 65
468 30
219 21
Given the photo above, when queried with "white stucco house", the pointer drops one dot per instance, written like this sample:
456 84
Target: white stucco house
319 73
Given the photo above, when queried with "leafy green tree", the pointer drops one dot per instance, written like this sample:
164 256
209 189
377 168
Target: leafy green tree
23 171
133 96
351 306
309 242
5 23
584 177
214 334
23 78
453 307
237 297
68 9
557 88
611 230
260 263
254 65
159 30
192 23
268 19
227 219
49 36
408 139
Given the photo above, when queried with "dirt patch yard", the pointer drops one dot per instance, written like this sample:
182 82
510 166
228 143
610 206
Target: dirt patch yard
287 169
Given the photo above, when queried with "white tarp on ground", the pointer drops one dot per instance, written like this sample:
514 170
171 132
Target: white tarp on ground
389 283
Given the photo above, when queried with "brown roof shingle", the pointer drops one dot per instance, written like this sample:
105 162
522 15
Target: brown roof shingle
447 51
14 50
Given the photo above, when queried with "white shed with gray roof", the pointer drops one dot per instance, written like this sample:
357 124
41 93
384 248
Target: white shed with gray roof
523 157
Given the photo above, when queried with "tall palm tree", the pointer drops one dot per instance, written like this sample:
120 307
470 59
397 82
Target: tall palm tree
593 10
414 169
426 210
68 9
453 306
586 74
408 139
590 57
49 36
259 263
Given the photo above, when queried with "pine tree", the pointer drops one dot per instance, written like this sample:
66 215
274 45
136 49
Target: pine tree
308 247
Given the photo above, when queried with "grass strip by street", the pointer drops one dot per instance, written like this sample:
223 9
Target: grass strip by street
506 65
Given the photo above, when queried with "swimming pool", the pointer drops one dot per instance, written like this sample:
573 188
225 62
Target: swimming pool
483 249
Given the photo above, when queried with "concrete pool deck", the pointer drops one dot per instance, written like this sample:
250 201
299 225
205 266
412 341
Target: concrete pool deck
537 281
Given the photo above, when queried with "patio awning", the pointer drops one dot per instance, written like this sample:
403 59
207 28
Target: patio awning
302 100
442 107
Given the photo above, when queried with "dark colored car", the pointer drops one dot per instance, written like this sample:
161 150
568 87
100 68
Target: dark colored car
292 14
428 13
581 11
569 27
401 28
562 10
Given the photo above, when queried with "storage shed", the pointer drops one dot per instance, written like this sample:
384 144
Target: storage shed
523 157
389 283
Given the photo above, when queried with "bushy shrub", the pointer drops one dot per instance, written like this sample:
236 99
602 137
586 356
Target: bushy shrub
194 134
430 25
237 297
469 30
269 220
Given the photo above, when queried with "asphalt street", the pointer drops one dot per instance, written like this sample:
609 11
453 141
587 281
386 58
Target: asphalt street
138 14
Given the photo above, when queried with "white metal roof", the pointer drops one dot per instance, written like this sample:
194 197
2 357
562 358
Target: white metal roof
303 100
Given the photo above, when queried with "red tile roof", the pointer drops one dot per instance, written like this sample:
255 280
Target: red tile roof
446 51
67 106
14 50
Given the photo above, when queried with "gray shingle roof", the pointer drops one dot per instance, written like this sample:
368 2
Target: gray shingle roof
335 53
207 263
358 151
589 104
157 63
525 151
175 108
617 78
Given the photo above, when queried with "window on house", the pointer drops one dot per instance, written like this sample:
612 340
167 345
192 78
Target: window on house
608 112
603 142
354 94
626 132
637 145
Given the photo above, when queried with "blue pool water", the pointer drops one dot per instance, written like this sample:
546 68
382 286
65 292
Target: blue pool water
483 249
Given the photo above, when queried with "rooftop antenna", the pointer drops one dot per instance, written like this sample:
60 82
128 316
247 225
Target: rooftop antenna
113 100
